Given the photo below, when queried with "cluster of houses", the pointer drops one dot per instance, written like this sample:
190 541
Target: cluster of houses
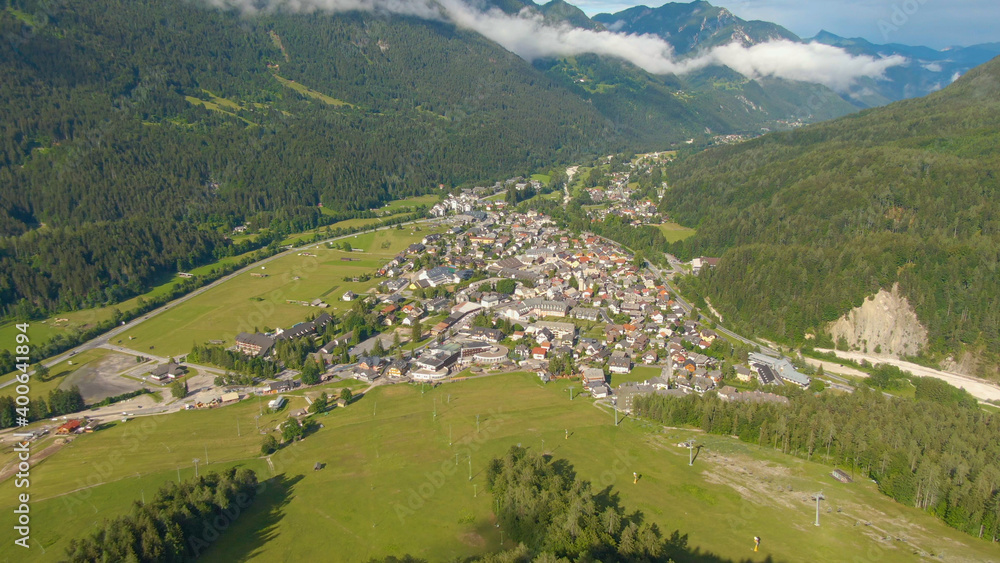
508 289
476 201
259 344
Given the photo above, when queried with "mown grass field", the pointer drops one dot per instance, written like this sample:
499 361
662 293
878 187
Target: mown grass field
248 303
674 232
391 483
41 331
398 205
300 238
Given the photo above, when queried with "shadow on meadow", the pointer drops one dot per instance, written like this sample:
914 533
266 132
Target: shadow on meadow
259 524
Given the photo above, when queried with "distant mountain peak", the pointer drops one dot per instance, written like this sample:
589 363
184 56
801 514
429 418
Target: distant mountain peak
693 26
824 34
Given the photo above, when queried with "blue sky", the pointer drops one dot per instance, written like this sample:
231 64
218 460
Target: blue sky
935 23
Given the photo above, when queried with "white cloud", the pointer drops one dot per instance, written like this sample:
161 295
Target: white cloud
528 36
813 62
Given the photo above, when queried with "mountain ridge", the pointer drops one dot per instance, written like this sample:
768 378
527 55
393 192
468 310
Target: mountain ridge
684 25
694 27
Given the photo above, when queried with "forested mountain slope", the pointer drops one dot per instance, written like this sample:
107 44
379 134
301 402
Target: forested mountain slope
810 222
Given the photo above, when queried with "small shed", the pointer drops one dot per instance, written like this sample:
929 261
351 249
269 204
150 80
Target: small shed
841 476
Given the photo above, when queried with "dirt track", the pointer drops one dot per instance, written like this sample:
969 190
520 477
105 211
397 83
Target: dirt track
978 388
833 367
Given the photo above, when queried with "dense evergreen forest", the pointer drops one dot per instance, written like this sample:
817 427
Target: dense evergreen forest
938 453
811 222
179 523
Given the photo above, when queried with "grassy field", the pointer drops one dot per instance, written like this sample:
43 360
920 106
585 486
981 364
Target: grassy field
217 104
398 205
249 303
674 232
306 91
396 480
638 374
67 323
300 238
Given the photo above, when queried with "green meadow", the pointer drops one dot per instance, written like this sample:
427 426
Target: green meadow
248 302
395 479
398 205
674 232
306 91
41 331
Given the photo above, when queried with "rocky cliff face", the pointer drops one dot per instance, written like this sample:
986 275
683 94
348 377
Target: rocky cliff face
884 324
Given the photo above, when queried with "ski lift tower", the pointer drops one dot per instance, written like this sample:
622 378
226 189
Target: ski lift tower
818 497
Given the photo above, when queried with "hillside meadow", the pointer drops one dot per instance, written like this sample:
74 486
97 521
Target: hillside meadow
395 479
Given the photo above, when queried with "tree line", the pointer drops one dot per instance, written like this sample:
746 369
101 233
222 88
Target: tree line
545 507
232 360
174 525
553 516
58 403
